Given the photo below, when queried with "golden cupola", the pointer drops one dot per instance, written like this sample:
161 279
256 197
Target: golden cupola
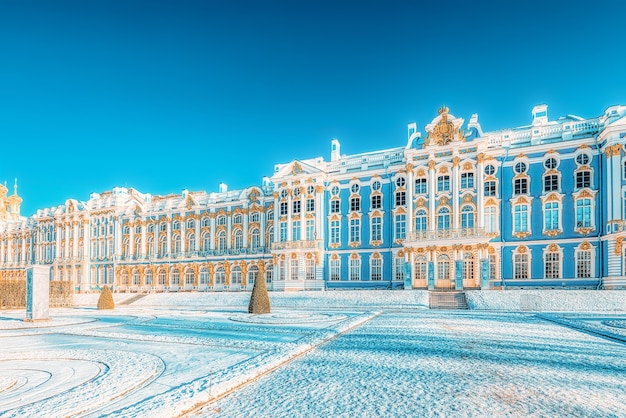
14 202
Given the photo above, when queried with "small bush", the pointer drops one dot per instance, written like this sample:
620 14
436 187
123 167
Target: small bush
260 299
12 293
106 299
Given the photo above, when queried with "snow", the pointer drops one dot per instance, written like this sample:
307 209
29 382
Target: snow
344 353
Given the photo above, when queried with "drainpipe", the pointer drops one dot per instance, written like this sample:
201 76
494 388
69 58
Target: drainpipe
502 240
600 223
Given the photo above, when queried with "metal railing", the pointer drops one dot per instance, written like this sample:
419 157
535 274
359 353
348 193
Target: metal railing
291 245
437 234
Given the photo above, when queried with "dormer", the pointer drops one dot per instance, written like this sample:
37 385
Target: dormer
540 114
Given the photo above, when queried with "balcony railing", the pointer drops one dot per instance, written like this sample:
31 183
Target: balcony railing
293 245
438 234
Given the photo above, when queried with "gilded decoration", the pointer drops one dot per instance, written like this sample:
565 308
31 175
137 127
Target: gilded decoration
618 245
521 235
420 173
443 201
553 233
468 198
409 167
480 158
585 246
467 166
584 231
421 202
456 161
444 131
431 164
522 249
376 243
443 170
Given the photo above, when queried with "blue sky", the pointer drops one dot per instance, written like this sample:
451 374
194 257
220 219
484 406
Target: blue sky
167 95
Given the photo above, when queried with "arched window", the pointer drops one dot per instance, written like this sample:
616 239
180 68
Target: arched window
162 246
125 248
191 224
221 241
150 246
220 276
443 218
255 239
421 220
521 265
237 219
552 264
137 248
123 278
206 241
176 244
176 225
491 220
253 273
206 221
136 278
148 277
189 277
221 220
443 267
162 277
467 216
235 275
254 217
191 242
270 236
204 276
420 270
468 268
269 273
175 277
237 240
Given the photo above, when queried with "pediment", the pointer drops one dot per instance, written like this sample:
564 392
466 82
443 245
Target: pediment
296 168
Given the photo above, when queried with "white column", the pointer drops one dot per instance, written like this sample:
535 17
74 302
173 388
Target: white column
198 233
183 234
409 196
229 228
455 195
480 191
432 189
131 240
246 215
212 222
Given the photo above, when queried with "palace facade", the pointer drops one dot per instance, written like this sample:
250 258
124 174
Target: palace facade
542 205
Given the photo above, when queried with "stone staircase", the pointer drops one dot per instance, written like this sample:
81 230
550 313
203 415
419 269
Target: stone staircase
447 300
133 299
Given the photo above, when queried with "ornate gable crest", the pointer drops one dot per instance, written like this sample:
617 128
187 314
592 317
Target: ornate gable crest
444 129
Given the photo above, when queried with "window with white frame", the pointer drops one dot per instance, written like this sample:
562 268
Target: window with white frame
221 220
376 202
175 277
468 267
551 216
376 224
295 233
399 268
521 266
295 269
491 223
420 185
443 218
420 268
443 267
191 224
493 266
583 213
189 279
334 206
176 244
284 209
255 238
335 232
443 183
552 265
310 268
236 275
206 241
206 221
355 268
296 205
191 242
550 183
467 180
520 221
583 263
221 241
253 273
376 269
520 186
400 198
467 216
583 179
335 269
310 229
355 230
148 277
238 240
204 276
220 276
400 226
310 205
161 277
282 232
490 188
421 220
355 204
282 267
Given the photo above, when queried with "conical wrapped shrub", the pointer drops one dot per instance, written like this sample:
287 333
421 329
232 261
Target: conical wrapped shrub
260 299
106 299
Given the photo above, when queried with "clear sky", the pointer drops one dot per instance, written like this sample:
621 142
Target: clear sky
184 94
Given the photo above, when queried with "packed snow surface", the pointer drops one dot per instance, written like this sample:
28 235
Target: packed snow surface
339 354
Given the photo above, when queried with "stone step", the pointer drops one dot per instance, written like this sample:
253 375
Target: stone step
447 300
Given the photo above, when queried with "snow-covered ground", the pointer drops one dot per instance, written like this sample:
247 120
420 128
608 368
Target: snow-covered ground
368 353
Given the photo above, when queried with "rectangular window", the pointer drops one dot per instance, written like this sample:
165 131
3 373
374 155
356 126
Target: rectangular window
520 186
551 213
583 213
467 180
355 204
310 229
490 188
420 220
296 206
443 183
491 225
583 264
376 225
399 265
377 202
552 266
283 232
295 269
310 269
296 231
334 232
492 267
310 205
400 199
520 267
334 206
420 186
400 226
355 269
376 272
335 269
283 208
355 230
551 183
583 179
521 219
